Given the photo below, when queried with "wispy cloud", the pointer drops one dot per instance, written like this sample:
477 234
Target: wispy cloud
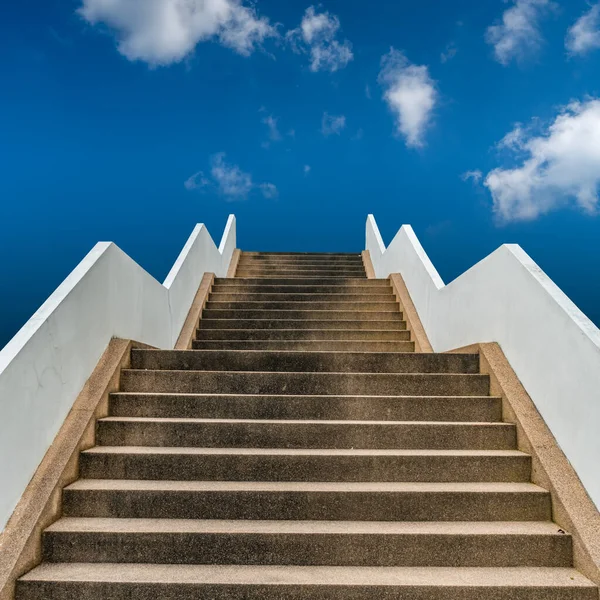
449 53
556 165
161 32
518 36
317 36
228 180
411 95
306 169
475 176
584 35
332 124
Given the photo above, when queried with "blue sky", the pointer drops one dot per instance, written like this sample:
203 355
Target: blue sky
131 120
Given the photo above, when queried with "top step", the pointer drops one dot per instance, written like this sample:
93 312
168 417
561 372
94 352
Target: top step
309 254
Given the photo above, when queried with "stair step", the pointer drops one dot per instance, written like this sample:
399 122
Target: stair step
357 257
381 287
384 324
304 362
347 384
304 345
219 296
303 254
381 501
304 264
257 464
391 313
84 581
341 282
308 543
252 433
352 268
297 275
304 334
379 408
335 306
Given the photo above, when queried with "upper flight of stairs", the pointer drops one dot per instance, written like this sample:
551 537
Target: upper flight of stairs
303 450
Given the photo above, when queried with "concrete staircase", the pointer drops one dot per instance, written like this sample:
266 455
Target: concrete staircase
302 450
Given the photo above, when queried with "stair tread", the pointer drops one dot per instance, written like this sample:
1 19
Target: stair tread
500 577
342 422
175 450
477 528
285 397
306 486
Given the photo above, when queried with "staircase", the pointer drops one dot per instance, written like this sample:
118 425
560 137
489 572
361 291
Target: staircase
303 450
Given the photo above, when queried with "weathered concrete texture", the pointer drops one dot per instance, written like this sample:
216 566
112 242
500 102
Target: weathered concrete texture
257 464
239 433
374 335
335 362
349 384
308 543
303 450
370 324
179 582
301 282
338 501
377 408
306 345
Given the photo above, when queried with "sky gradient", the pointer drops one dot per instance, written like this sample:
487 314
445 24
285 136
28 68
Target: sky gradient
478 123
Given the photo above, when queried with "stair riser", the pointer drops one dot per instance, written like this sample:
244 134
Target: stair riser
261 259
330 506
303 334
390 314
229 434
332 276
320 281
368 290
350 270
292 325
306 346
333 362
477 409
346 384
384 550
283 297
150 591
387 306
227 467
302 255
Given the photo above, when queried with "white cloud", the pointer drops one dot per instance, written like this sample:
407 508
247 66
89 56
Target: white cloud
518 35
317 36
306 169
475 176
558 165
411 95
228 180
332 125
584 35
161 32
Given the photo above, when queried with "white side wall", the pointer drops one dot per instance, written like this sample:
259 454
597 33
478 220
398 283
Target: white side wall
506 298
44 367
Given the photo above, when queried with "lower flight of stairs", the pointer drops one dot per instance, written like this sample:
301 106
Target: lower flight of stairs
303 450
